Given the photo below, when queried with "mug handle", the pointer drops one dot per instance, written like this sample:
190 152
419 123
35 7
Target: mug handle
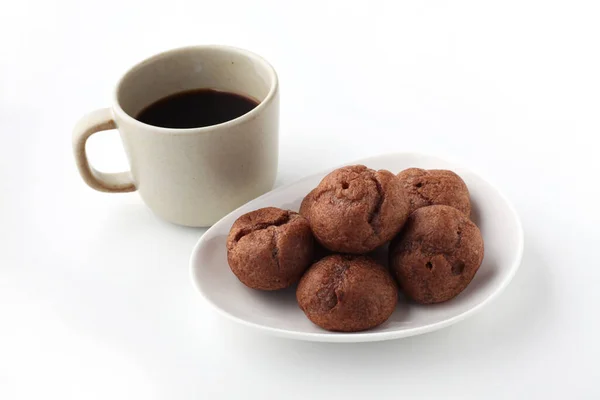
96 121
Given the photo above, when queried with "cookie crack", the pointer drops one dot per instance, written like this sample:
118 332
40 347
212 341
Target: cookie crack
275 250
332 293
321 193
429 200
344 184
423 196
377 209
284 219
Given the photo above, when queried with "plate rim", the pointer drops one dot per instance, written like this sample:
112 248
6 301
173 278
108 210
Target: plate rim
367 336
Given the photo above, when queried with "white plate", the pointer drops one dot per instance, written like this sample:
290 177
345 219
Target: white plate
278 313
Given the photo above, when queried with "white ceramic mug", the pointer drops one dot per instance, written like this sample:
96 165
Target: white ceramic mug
191 176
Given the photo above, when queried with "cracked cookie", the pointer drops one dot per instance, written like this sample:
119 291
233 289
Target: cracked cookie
270 248
436 255
356 209
435 186
347 293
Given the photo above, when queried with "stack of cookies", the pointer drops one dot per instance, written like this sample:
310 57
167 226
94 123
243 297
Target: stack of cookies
434 248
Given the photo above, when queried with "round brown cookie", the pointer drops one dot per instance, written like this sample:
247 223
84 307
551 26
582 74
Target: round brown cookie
347 293
270 248
356 209
435 186
436 255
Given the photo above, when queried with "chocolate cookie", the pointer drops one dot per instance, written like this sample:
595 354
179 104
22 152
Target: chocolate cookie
269 248
356 209
435 186
347 293
437 254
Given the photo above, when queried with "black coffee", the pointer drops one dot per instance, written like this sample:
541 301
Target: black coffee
196 108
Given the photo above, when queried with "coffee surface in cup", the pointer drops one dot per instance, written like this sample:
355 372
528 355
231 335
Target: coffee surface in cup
196 108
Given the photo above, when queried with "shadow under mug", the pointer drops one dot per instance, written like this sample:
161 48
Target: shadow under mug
190 176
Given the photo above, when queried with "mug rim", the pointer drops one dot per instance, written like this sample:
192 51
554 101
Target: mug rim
274 86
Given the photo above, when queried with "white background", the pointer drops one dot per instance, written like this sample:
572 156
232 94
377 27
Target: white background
95 296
